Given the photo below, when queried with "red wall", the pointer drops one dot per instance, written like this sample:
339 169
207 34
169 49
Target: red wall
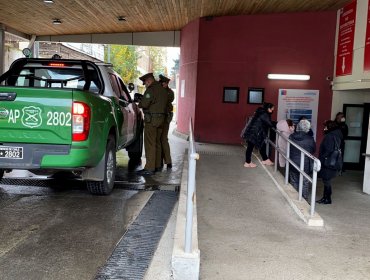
188 72
239 51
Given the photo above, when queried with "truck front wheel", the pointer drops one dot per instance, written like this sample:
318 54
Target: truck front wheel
106 186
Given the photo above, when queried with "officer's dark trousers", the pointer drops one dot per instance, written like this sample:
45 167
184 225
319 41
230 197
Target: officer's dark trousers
152 143
165 145
248 152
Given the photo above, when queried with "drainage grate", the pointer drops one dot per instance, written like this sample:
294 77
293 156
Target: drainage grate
26 182
133 254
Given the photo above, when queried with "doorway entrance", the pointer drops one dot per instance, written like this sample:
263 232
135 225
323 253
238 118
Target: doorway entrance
357 119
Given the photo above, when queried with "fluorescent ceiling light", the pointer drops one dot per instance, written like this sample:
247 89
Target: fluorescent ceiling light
49 1
288 77
57 21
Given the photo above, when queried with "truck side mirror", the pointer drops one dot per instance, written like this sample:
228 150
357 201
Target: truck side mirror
131 87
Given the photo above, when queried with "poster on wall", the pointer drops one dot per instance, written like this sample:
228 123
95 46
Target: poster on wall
296 103
346 35
367 41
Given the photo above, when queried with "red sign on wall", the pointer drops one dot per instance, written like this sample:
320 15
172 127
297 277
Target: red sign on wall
346 35
367 41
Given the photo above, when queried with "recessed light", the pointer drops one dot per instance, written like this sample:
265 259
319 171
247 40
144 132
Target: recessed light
121 18
57 21
49 1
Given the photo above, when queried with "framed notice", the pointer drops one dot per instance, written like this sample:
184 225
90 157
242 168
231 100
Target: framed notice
297 103
346 35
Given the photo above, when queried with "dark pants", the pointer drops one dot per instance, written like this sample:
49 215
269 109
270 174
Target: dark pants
327 188
248 152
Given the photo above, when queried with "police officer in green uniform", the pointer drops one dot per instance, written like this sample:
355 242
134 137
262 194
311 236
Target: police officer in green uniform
166 126
154 104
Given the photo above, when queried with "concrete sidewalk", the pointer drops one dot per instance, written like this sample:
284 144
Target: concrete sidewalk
247 229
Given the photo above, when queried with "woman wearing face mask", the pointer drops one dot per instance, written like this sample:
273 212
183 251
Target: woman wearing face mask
256 133
333 137
341 122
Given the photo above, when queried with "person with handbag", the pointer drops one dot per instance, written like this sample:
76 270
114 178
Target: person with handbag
256 132
330 158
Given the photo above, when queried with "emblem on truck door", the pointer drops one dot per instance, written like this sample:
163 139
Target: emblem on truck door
31 116
4 113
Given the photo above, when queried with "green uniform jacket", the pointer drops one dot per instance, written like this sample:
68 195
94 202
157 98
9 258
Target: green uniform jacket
155 99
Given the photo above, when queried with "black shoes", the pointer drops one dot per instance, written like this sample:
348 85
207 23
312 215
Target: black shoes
144 172
324 200
169 165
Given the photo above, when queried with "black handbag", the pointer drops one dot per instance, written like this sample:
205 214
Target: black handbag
334 159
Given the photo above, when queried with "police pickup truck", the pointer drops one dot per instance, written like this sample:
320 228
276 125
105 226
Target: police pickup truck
60 115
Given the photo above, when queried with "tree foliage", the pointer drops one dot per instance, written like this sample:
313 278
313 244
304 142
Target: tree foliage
157 56
124 60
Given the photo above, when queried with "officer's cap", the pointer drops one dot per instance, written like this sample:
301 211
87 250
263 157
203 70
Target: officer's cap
146 76
163 79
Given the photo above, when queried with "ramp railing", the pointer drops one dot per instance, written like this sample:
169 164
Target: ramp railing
193 156
311 178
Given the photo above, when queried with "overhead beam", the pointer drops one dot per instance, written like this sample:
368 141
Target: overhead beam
15 32
159 39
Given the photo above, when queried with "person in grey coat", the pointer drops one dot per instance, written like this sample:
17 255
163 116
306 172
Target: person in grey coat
332 136
304 139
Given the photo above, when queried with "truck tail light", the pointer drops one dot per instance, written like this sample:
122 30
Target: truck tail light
80 121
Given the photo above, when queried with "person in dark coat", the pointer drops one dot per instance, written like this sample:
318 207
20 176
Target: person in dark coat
332 136
304 139
341 122
256 133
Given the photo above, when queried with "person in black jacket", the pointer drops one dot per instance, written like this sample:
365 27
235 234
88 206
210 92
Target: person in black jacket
333 136
341 122
256 133
304 139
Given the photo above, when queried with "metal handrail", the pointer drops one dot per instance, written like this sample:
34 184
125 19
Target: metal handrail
316 166
193 156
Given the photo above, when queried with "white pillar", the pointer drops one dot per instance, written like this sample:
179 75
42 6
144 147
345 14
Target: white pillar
366 185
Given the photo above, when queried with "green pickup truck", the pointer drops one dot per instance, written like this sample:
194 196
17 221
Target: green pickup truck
59 115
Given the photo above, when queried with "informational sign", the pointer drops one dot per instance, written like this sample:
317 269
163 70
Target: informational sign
296 103
346 35
367 41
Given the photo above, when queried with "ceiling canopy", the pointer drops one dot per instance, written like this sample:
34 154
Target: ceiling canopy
35 17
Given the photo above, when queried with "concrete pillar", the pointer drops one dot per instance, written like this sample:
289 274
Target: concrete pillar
2 49
366 184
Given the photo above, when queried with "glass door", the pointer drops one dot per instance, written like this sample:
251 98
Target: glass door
357 120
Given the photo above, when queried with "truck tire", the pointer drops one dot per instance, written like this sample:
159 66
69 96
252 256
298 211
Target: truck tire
105 187
135 150
1 173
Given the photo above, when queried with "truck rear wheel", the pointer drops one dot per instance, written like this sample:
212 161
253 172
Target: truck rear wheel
106 186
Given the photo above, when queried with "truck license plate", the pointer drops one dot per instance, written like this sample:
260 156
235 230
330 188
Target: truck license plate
11 152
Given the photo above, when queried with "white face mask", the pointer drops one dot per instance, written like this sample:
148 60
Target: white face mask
343 119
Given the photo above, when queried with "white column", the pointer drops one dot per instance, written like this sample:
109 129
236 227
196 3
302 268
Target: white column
366 186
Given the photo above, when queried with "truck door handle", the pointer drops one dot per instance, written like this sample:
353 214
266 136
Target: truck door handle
7 96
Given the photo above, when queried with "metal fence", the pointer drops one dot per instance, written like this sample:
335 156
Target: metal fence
193 156
311 178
